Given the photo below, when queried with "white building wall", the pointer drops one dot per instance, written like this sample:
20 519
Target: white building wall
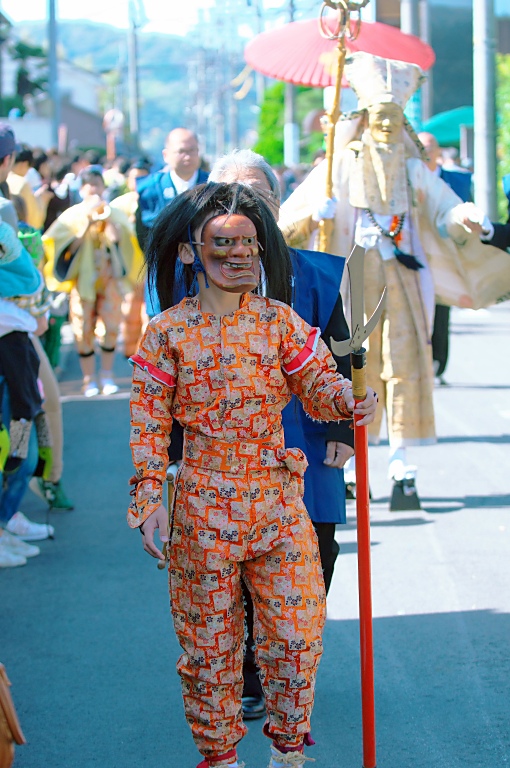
80 86
34 131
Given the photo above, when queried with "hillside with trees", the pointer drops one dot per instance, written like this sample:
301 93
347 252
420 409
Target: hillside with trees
167 66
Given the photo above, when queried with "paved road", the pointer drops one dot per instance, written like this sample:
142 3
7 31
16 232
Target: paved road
86 636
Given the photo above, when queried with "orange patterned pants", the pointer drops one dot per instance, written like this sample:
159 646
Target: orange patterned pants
254 527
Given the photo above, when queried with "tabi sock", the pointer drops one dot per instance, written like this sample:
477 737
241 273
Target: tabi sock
397 467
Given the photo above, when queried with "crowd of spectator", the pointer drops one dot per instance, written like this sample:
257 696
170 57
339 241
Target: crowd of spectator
77 257
43 195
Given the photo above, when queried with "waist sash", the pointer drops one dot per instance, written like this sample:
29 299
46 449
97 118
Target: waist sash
242 456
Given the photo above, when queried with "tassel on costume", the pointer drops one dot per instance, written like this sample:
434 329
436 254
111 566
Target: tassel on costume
411 262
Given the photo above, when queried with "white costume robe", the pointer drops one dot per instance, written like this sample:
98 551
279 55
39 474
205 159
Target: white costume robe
465 273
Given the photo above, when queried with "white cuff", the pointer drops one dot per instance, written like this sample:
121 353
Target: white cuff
487 229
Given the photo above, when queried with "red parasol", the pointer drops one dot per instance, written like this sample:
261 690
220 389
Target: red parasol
298 53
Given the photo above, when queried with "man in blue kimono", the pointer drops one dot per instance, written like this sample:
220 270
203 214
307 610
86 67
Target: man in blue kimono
181 172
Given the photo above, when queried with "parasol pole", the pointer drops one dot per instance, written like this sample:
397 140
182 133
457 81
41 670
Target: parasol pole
354 345
344 26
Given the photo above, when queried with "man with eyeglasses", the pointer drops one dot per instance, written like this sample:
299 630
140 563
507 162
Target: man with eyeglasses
181 172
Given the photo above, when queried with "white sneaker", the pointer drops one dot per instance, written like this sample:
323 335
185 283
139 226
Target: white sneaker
21 526
90 388
8 558
109 387
18 546
284 759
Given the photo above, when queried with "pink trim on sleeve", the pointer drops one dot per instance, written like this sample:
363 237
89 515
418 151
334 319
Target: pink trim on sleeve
306 353
156 373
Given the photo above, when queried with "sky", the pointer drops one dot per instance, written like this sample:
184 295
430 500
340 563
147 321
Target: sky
162 16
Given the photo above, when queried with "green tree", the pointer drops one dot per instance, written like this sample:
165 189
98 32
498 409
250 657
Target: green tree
26 54
309 100
272 117
503 128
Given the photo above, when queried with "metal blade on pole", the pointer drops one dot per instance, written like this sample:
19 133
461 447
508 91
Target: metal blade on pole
360 330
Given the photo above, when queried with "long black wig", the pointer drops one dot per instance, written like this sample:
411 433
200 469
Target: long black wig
173 280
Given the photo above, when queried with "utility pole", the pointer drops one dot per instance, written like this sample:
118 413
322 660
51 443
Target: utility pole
53 72
260 82
427 87
219 116
484 102
410 23
201 100
410 17
290 128
134 121
233 112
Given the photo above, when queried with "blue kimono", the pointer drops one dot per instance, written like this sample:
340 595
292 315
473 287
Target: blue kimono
317 300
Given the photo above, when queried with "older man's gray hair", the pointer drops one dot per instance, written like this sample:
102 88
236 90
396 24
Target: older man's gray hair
240 160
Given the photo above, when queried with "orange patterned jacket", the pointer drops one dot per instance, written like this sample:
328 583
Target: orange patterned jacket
226 379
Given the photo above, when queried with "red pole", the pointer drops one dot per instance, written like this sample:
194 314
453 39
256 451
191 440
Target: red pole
364 571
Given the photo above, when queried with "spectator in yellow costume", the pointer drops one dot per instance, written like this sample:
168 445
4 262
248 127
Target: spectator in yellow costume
89 252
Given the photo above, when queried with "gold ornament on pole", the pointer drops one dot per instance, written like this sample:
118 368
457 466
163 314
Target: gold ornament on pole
348 25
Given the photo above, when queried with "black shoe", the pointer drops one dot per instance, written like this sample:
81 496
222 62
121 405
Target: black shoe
350 491
404 497
254 707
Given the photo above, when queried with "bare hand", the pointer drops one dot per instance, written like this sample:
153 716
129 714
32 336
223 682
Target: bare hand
337 454
473 226
471 218
45 194
91 205
111 232
42 325
158 519
365 408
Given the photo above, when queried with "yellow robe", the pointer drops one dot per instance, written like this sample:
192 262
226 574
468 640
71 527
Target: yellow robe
128 203
70 225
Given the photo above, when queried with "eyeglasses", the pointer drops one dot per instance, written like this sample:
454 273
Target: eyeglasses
193 151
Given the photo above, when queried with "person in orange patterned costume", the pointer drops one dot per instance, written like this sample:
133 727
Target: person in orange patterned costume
224 363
